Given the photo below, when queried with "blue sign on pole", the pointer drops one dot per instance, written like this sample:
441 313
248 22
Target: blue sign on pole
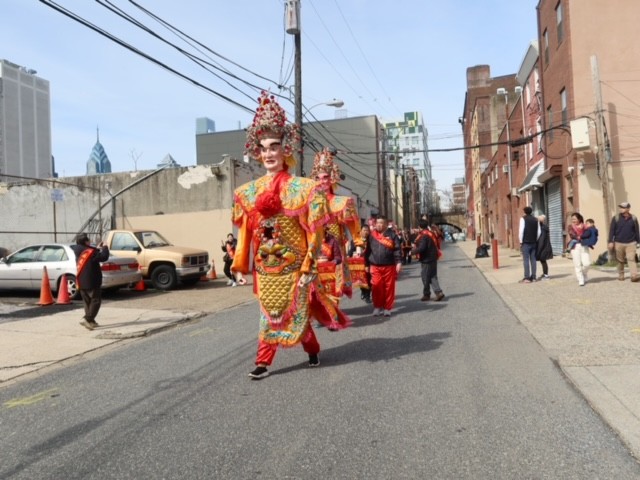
57 195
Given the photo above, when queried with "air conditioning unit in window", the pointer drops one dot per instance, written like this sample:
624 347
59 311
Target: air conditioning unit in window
505 168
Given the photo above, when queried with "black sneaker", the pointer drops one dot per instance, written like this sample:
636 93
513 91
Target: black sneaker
259 372
314 361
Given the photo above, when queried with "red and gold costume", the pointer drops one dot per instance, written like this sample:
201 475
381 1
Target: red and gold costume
280 221
344 218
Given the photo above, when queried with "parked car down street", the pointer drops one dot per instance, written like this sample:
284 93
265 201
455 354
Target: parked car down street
23 269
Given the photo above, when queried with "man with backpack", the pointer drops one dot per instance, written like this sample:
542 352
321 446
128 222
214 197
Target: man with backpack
624 235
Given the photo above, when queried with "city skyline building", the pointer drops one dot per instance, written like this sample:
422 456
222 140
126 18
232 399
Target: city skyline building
25 123
98 160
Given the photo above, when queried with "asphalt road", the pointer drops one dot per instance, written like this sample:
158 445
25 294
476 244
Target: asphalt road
456 389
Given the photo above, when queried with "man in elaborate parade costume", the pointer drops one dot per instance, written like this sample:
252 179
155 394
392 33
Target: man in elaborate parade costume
280 220
344 222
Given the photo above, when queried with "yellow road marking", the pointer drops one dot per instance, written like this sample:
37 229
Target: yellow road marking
38 397
635 330
582 301
202 331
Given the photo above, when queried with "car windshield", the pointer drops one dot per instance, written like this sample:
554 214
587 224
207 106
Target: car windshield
151 239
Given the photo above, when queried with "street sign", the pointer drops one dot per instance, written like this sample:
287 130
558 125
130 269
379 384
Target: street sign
57 195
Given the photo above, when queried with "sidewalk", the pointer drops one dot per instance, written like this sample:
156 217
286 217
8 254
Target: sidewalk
591 332
33 337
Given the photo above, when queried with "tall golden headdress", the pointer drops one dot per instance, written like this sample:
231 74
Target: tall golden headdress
270 121
323 163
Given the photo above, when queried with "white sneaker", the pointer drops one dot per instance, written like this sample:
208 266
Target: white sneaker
387 313
229 282
377 312
233 284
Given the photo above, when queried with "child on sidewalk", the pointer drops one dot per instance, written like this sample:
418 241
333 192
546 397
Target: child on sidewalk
590 235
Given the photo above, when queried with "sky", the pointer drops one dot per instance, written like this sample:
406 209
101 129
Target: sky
379 57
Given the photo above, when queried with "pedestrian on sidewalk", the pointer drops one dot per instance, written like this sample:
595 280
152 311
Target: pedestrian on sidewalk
89 277
579 233
383 258
624 235
229 249
544 250
528 234
426 248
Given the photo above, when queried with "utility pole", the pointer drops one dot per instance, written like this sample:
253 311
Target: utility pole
601 152
293 28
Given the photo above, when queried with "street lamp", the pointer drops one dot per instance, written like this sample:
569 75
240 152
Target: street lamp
331 103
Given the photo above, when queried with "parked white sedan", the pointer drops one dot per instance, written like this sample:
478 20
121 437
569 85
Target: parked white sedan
23 269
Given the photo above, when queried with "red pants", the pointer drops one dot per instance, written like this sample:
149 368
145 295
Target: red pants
266 351
383 286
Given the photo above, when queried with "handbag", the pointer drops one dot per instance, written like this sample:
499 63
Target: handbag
226 257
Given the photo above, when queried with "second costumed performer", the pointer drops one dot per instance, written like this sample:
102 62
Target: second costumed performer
280 219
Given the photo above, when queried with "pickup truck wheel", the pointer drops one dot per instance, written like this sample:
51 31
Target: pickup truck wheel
164 277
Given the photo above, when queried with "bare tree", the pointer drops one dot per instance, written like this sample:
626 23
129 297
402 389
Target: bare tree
135 156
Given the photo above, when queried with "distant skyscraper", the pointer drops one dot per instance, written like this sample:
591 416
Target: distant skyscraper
25 123
205 125
168 162
98 160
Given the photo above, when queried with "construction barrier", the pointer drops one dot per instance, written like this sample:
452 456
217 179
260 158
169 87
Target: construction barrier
45 290
63 292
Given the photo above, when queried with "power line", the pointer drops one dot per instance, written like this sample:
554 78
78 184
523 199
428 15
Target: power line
365 57
139 52
199 61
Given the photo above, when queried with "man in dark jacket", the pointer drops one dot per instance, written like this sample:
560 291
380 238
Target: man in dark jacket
529 233
624 235
427 251
89 277
383 258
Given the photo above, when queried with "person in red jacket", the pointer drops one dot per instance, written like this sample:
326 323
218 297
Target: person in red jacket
383 257
89 277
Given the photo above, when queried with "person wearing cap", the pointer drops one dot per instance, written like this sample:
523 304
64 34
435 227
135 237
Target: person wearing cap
89 277
280 220
624 235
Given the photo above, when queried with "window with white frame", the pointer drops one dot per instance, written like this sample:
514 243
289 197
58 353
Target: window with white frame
559 23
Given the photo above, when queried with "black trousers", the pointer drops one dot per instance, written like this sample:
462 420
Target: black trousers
545 267
429 275
92 299
227 270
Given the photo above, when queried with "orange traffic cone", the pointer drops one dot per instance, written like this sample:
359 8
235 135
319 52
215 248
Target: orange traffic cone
212 273
45 290
140 286
63 292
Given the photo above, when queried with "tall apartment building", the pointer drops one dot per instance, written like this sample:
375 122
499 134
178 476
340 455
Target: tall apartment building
407 142
589 64
483 119
25 123
458 196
